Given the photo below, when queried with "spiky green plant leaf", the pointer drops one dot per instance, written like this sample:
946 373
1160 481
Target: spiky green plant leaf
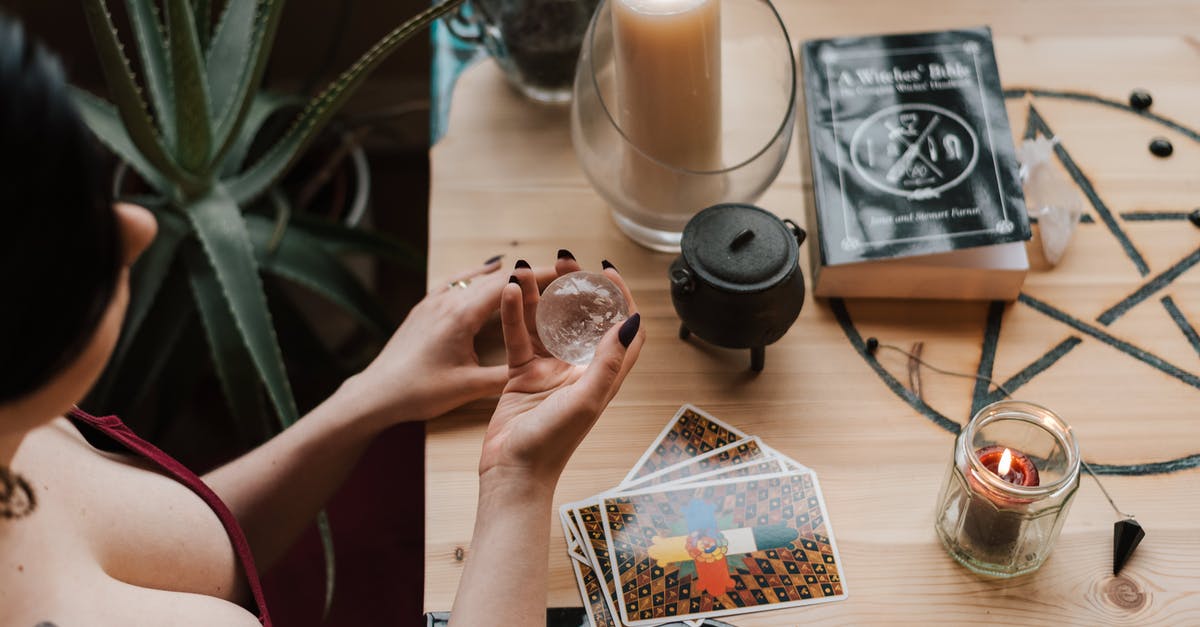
104 122
156 68
202 9
266 104
228 59
127 96
234 365
192 116
221 230
299 258
230 113
341 239
328 553
260 176
236 373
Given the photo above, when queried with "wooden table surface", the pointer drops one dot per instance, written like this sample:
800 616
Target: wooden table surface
505 180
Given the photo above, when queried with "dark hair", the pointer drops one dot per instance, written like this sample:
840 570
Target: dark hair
60 251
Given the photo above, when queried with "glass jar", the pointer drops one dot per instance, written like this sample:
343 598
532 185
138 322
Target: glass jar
1004 526
535 42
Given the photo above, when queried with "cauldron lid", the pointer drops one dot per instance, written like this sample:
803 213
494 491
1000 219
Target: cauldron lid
739 248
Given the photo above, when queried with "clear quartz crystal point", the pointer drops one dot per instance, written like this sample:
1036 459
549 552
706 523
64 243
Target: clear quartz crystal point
1049 197
574 313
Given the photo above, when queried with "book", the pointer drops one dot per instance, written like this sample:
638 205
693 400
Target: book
915 192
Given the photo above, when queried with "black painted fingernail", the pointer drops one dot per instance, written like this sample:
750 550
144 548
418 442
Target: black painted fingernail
513 279
521 263
607 265
629 330
492 260
563 253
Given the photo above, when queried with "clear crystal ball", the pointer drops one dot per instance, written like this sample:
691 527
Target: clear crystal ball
574 313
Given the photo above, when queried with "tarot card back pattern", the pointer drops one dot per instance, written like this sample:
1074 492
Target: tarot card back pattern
691 435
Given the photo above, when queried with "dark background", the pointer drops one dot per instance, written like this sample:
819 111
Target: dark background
377 517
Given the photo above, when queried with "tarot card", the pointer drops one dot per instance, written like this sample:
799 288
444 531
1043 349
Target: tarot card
690 433
592 594
718 548
788 462
730 455
587 517
767 466
571 535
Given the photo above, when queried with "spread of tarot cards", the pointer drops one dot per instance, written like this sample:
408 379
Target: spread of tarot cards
710 522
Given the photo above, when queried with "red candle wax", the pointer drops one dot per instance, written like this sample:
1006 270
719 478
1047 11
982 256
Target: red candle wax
1021 471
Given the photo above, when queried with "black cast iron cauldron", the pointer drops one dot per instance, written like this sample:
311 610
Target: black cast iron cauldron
737 283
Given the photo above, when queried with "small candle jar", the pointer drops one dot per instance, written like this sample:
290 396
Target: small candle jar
1006 495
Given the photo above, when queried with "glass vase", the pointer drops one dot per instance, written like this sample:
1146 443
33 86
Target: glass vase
650 173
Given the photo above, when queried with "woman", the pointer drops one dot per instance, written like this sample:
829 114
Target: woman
94 538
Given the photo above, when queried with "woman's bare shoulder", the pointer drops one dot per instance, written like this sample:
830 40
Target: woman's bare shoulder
115 514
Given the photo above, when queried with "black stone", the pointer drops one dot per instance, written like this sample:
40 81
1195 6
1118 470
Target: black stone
1194 216
1140 99
1161 147
1127 535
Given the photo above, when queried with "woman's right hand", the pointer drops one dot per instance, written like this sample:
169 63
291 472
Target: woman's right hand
548 405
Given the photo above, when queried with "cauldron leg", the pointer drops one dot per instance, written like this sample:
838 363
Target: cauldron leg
684 333
758 357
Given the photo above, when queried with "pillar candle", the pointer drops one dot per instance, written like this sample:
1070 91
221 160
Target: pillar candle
668 71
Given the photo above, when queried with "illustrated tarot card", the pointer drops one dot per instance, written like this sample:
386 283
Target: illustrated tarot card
690 433
730 455
585 517
720 548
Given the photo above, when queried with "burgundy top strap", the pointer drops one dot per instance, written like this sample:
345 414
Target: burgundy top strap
112 427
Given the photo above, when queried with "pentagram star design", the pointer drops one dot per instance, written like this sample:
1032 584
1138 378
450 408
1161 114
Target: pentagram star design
1149 293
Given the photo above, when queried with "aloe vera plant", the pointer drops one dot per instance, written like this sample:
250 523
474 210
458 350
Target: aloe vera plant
189 144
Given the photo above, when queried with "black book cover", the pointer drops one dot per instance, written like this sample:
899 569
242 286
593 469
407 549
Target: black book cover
910 146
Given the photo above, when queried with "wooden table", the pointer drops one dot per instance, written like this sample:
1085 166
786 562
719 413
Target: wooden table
505 180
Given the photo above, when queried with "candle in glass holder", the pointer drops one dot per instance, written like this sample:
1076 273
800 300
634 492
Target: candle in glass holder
999 513
668 72
993 522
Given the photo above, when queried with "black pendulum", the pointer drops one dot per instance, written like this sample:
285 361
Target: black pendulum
1127 532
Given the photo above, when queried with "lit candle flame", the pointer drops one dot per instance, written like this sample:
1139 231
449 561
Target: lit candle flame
1005 463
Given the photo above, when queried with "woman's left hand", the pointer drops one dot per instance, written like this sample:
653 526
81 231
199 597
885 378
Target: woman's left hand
429 366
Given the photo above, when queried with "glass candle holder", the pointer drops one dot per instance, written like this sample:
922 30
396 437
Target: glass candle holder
1008 489
680 105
